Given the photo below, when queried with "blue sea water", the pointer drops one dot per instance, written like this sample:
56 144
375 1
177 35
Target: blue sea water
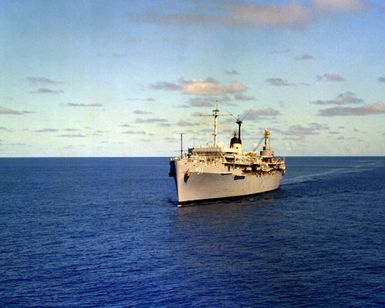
86 232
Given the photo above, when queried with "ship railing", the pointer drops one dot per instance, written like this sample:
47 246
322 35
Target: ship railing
278 159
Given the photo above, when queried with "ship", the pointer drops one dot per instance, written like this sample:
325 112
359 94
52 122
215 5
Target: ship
216 171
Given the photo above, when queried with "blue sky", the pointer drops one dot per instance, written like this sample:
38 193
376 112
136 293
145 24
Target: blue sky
124 78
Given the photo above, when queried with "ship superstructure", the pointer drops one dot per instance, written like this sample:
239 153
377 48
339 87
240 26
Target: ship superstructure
216 171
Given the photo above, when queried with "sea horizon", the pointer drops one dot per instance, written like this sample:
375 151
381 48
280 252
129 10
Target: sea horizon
314 156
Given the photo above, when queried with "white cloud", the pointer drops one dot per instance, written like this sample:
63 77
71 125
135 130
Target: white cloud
210 87
243 97
186 123
47 91
8 111
46 130
331 77
342 99
300 130
72 135
348 6
373 109
231 72
141 112
253 114
164 85
40 80
151 120
292 15
278 82
200 87
305 57
84 105
133 132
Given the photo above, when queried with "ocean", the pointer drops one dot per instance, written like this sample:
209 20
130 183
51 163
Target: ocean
106 232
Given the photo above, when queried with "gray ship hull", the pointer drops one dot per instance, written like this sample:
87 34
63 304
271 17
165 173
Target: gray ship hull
200 182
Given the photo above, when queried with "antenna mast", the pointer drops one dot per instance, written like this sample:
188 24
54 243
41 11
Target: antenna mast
239 122
181 145
215 114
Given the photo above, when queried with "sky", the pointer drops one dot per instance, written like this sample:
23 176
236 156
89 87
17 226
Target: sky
125 78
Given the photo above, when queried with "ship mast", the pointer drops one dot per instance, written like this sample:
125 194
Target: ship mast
215 115
181 145
267 135
239 122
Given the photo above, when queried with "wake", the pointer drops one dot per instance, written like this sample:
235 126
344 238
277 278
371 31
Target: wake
320 176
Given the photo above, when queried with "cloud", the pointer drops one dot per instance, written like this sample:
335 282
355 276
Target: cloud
46 130
280 51
231 72
278 82
254 114
5 129
84 105
206 101
381 79
47 91
71 130
141 112
347 6
164 124
158 18
151 120
72 135
40 80
144 140
200 87
310 129
186 123
243 97
148 99
13 112
241 15
292 15
132 132
285 15
9 111
210 87
305 57
164 85
373 109
170 140
331 77
333 132
342 99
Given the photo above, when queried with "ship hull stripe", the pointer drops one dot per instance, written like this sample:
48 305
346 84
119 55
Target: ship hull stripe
191 202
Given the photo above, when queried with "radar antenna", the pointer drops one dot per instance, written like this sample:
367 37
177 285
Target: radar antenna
239 121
